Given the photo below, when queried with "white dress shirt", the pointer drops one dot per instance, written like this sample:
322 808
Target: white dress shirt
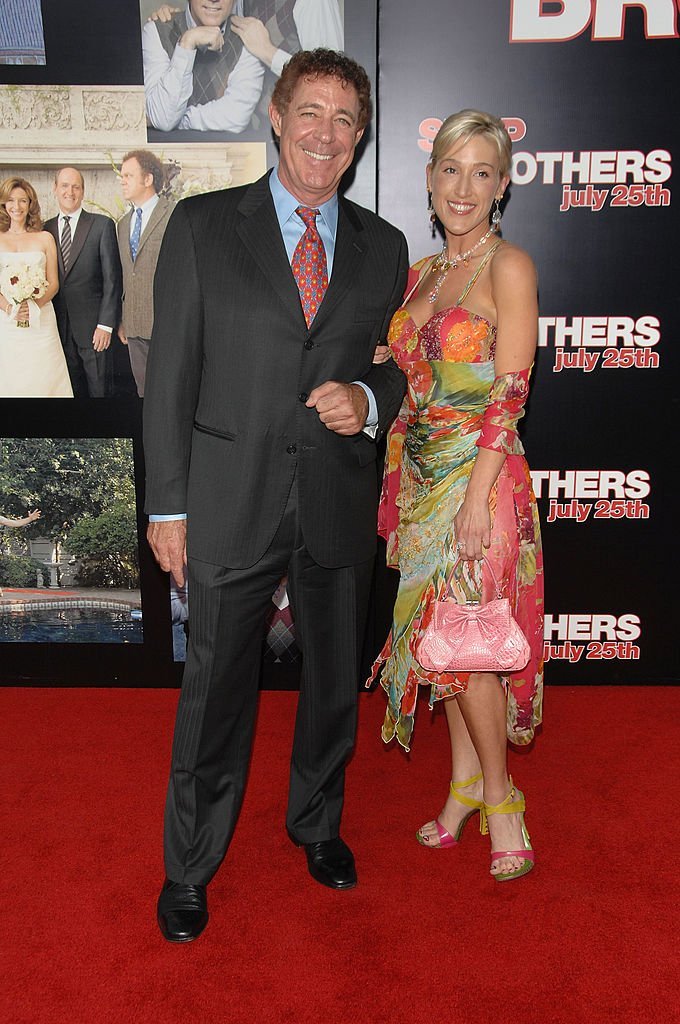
73 221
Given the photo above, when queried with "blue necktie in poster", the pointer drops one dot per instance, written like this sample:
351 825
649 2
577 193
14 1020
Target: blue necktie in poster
136 233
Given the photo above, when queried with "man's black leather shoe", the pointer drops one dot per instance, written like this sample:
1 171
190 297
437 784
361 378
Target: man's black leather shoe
182 911
331 862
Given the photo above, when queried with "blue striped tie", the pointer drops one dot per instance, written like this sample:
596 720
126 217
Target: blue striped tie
136 233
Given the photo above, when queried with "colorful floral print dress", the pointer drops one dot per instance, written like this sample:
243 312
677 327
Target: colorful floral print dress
454 405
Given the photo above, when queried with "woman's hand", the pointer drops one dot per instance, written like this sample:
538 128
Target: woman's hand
23 312
35 514
473 528
381 354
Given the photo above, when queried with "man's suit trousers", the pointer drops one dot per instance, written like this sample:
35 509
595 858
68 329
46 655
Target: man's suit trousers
138 349
216 713
87 368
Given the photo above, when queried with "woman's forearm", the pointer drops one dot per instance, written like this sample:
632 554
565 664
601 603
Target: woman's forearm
488 465
47 296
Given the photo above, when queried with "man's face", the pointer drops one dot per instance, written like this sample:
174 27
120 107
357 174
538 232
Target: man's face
318 135
134 182
210 12
68 189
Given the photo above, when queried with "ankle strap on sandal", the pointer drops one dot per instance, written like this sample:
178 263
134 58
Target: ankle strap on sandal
467 801
506 806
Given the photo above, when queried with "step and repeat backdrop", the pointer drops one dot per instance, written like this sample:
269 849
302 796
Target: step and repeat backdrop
90 106
587 90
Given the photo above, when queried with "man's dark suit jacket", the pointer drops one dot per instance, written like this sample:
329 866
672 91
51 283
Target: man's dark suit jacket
90 290
231 363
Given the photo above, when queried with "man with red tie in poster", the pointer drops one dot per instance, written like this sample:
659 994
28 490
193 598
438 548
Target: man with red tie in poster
261 414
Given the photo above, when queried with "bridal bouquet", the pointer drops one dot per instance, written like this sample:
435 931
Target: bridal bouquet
23 281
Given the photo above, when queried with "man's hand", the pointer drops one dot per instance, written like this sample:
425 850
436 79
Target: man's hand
343 408
208 37
101 339
255 37
164 13
168 541
122 335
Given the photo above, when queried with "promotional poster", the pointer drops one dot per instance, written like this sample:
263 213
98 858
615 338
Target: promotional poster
583 88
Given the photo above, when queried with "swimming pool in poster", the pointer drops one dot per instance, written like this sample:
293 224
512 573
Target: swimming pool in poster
71 624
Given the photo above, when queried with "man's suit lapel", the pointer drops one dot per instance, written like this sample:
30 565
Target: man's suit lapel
347 261
157 214
124 237
260 233
85 222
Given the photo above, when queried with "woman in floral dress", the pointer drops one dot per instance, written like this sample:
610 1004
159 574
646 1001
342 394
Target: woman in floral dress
457 502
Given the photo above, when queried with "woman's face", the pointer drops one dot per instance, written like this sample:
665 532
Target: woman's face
17 206
464 184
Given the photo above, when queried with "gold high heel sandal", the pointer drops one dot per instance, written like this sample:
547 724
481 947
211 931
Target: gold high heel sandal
446 840
526 855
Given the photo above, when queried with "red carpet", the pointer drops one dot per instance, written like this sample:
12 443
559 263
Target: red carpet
427 936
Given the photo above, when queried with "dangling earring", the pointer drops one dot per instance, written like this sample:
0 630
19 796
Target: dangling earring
433 215
496 216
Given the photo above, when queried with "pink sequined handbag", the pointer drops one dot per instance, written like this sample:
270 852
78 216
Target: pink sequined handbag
473 637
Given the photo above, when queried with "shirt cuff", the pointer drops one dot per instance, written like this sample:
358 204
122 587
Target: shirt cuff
371 425
103 327
184 57
279 60
167 519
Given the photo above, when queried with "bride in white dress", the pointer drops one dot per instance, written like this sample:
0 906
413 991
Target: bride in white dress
32 363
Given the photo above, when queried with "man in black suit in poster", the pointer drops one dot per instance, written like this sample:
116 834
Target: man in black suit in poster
87 305
261 396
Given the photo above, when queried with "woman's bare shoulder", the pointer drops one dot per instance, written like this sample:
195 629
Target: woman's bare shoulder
47 242
512 265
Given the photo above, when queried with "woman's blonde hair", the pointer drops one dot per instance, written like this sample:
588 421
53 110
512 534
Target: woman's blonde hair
33 217
465 125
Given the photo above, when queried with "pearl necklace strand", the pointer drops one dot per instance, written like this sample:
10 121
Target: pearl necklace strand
443 264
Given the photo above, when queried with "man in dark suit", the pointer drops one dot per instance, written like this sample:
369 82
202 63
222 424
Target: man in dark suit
261 396
87 305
